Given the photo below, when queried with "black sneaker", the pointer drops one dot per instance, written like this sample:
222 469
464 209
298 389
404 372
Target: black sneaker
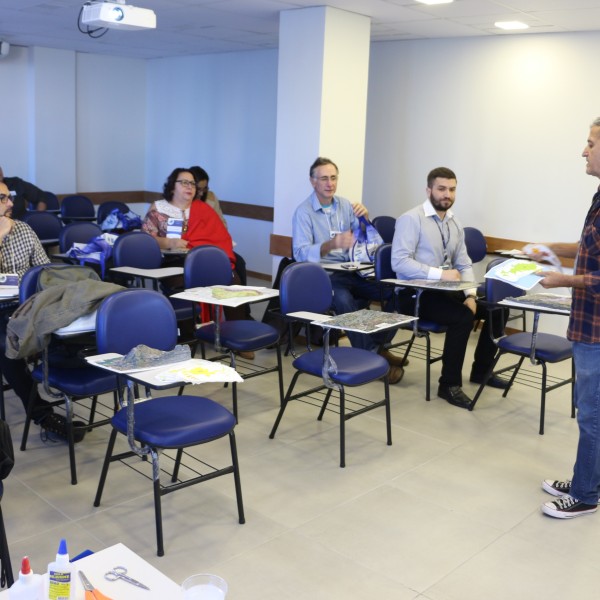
54 428
567 507
556 488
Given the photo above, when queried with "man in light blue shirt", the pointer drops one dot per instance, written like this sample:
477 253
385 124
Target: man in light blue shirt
429 243
322 231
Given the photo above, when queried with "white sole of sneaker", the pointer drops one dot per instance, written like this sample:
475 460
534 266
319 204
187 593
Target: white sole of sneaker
552 491
549 509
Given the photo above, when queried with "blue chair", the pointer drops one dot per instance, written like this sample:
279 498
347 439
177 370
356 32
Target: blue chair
140 250
77 207
385 227
307 287
52 203
540 348
65 385
137 316
106 208
77 232
475 244
208 265
421 328
46 225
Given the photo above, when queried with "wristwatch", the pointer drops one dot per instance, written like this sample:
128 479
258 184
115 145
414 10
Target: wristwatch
471 296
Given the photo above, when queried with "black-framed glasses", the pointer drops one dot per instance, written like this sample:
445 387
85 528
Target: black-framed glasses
186 183
4 198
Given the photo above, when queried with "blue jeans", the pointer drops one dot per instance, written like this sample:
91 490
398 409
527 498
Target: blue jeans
586 473
352 292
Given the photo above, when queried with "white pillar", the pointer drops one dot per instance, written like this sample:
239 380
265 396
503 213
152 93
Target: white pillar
321 103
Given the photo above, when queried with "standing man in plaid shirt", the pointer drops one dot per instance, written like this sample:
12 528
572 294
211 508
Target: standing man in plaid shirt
579 496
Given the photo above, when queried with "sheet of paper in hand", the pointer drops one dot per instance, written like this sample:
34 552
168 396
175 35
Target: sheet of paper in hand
523 274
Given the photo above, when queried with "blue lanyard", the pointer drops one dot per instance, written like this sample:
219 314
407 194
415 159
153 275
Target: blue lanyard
444 241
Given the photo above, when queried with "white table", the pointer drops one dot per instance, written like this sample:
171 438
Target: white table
346 266
97 564
153 274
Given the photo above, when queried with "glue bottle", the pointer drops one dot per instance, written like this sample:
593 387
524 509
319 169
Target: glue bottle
61 581
28 586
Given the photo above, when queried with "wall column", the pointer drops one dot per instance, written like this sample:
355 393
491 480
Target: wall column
321 103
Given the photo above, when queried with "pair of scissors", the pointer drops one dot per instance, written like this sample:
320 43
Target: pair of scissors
121 573
90 592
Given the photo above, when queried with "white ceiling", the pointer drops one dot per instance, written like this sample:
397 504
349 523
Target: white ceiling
188 27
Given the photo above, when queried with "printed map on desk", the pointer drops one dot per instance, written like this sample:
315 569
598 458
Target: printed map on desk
227 295
542 300
365 321
517 272
193 370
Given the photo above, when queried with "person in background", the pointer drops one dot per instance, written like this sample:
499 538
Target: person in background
204 194
579 495
25 194
429 243
20 249
322 231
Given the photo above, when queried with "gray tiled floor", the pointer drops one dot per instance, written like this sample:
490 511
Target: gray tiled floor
450 511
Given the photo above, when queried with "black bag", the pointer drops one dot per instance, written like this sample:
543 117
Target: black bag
7 455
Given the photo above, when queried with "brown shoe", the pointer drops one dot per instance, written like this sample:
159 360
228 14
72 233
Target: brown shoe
246 355
393 359
395 374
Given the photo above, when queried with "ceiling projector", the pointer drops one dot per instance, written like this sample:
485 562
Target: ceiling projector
117 15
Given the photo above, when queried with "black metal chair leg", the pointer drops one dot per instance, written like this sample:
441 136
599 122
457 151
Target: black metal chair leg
284 405
236 478
106 464
342 427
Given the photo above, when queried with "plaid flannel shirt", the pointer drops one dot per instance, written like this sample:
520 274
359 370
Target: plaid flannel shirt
20 250
584 324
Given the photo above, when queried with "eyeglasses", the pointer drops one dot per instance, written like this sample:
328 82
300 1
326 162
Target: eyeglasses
186 183
325 179
4 198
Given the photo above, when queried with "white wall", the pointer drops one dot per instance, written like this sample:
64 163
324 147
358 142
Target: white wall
218 111
111 123
509 114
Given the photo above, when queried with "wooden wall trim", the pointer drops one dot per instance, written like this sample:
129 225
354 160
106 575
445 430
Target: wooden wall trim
257 212
280 245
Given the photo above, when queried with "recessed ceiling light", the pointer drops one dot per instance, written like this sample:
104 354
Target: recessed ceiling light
435 1
511 25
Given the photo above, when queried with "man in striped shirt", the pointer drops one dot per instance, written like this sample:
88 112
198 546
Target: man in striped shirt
579 496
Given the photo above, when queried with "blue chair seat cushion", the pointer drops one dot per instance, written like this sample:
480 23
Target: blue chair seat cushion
427 326
78 381
176 421
549 348
354 365
240 336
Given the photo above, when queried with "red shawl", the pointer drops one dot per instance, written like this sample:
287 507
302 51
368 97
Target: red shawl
205 228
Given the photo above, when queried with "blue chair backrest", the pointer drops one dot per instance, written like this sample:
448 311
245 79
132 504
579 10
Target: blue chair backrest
383 263
136 249
77 205
46 225
385 226
305 286
206 265
132 317
52 203
496 290
80 233
475 243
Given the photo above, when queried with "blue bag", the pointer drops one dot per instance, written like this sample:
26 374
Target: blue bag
98 250
117 220
367 240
